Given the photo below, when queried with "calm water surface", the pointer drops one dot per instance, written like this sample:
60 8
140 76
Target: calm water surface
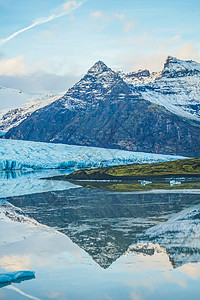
95 244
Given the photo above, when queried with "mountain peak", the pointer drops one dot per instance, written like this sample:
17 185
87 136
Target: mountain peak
170 60
98 67
177 67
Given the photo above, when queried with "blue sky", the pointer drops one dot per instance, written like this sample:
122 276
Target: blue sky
49 45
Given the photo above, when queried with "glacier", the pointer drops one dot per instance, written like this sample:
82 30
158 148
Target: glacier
18 155
23 163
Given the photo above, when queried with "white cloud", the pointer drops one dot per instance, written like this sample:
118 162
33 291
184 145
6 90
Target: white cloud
51 32
40 82
145 51
70 6
188 51
99 15
119 16
67 8
107 18
129 25
13 66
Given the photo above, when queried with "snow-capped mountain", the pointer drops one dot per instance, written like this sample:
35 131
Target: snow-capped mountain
109 109
12 117
176 87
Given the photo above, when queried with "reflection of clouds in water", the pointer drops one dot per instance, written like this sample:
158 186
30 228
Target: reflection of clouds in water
54 295
178 280
147 273
2 294
56 252
55 257
21 292
151 278
15 262
157 261
191 270
135 296
20 243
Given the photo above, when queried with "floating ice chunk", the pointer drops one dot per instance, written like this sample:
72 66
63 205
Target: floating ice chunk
144 182
173 182
12 276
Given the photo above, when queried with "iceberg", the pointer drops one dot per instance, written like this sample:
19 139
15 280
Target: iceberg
12 276
19 155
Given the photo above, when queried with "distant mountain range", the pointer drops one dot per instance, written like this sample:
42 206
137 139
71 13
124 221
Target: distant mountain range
140 111
12 117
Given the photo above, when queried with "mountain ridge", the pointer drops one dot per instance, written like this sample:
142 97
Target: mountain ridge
108 109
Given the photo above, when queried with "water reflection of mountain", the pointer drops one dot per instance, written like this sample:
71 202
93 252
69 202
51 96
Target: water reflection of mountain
103 223
180 236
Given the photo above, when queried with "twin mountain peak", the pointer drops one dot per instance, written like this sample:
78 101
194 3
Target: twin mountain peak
155 112
171 64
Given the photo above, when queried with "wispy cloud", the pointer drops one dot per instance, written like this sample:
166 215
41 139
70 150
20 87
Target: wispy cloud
13 66
66 9
128 26
99 15
119 16
106 18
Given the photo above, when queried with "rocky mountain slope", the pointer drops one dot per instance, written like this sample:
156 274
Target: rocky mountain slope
112 110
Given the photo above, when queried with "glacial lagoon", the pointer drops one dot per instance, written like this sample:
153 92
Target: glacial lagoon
89 243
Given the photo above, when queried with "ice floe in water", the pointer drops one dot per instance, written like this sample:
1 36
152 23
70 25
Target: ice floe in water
12 276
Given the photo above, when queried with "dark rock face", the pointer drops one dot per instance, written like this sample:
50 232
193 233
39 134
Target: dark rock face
139 75
102 110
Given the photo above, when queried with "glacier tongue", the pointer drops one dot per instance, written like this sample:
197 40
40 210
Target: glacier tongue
16 155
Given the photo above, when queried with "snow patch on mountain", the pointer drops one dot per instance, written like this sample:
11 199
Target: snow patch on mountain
16 154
